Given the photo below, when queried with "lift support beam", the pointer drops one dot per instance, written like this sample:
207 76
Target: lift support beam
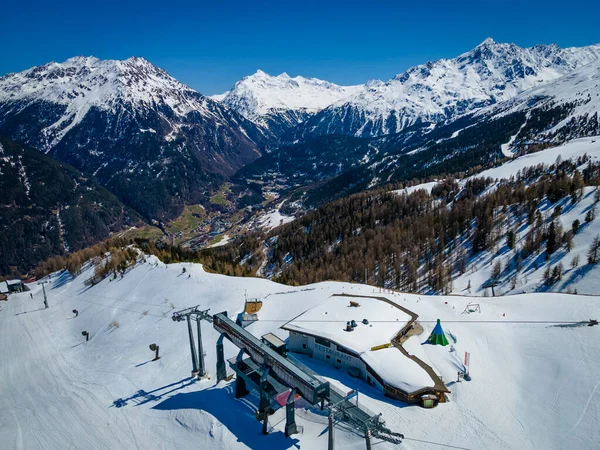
189 314
309 386
250 374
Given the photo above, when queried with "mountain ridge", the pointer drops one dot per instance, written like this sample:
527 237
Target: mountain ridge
152 140
280 102
50 208
445 89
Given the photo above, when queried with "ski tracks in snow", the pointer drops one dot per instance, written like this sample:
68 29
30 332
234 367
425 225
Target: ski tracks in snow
52 406
587 405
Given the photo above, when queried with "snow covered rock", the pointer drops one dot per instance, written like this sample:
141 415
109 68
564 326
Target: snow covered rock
569 105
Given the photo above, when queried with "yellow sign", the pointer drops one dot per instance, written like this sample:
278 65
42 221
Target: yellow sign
252 306
380 347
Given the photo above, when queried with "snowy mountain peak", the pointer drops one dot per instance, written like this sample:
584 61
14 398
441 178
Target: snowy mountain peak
79 60
259 73
440 90
125 121
260 96
487 41
83 82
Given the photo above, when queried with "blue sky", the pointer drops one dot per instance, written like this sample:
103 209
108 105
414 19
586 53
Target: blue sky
210 45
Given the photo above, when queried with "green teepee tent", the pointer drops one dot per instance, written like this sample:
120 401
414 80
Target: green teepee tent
437 336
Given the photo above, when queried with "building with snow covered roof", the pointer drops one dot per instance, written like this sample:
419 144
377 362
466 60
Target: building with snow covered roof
9 286
372 350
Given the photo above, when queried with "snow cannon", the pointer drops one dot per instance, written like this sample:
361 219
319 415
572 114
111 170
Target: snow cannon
86 334
349 327
155 348
76 313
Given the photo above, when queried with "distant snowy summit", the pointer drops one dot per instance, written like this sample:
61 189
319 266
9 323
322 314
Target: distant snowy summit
149 138
429 93
278 103
81 84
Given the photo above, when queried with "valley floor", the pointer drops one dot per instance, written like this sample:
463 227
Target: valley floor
534 384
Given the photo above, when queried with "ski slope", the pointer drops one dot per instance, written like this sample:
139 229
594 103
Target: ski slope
534 385
570 150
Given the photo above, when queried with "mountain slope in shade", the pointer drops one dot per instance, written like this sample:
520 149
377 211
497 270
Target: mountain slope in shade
150 139
48 208
441 90
278 103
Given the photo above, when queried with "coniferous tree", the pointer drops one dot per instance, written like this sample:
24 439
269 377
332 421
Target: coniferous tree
510 239
496 271
594 251
552 241
547 276
575 262
482 238
567 240
557 273
591 214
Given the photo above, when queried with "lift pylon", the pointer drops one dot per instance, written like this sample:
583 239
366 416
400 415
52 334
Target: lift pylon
197 314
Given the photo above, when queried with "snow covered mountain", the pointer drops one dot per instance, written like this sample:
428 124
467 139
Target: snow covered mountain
278 103
444 89
564 109
548 115
148 137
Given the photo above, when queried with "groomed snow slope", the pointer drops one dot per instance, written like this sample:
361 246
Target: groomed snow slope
533 386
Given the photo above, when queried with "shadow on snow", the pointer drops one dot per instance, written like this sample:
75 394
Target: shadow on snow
141 397
236 415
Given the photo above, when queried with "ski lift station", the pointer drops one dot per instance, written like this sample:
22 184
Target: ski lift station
10 286
364 335
361 334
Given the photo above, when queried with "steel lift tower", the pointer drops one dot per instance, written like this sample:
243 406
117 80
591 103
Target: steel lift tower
189 314
264 365
267 371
